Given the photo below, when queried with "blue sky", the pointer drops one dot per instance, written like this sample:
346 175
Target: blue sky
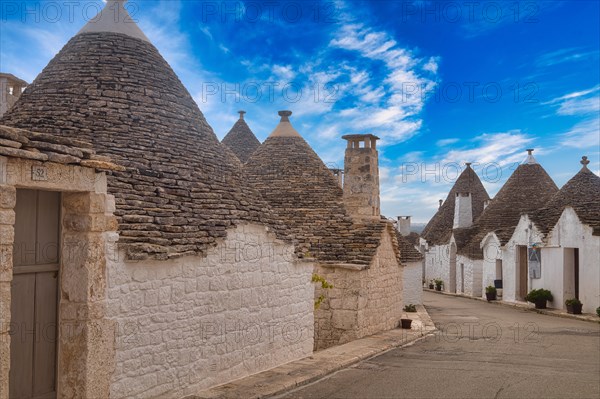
441 83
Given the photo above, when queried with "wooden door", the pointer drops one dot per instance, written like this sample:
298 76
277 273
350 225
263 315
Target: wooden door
522 293
34 295
576 271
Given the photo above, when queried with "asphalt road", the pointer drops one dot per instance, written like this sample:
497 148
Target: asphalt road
481 351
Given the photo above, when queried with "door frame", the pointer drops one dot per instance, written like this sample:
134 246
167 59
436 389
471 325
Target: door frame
43 268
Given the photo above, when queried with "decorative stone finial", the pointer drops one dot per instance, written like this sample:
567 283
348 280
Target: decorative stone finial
530 159
468 164
241 114
285 115
584 161
441 202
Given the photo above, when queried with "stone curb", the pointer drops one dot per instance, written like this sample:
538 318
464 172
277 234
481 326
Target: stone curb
301 372
549 312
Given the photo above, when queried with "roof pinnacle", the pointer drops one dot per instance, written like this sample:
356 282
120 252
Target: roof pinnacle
530 159
584 161
241 114
285 115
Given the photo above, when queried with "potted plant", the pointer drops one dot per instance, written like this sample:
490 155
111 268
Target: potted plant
598 311
405 323
574 306
410 308
431 285
490 293
438 284
539 297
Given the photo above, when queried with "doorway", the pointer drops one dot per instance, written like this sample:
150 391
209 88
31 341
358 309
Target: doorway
571 273
34 295
521 291
452 276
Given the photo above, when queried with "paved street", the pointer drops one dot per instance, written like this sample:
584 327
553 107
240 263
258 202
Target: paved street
481 351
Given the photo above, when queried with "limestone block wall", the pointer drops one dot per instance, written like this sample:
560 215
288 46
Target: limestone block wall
364 301
191 323
412 286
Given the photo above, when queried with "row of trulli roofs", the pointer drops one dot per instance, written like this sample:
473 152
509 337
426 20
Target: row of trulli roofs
181 189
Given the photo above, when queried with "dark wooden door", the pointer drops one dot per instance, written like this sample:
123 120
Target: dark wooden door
34 295
522 293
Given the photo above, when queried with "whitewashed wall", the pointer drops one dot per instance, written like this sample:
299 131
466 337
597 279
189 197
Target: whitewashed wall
437 264
569 232
491 253
195 322
556 255
472 276
412 285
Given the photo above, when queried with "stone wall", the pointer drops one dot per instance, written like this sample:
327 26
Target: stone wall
195 322
363 300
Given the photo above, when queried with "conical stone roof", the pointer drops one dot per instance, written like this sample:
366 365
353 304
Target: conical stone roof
582 193
110 87
240 139
302 190
439 229
525 191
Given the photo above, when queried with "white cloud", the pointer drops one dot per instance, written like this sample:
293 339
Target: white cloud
445 142
583 135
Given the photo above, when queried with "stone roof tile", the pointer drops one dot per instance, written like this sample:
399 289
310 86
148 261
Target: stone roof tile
240 139
116 92
525 191
582 193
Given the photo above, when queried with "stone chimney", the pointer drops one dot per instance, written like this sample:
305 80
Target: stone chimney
403 225
361 176
441 202
463 211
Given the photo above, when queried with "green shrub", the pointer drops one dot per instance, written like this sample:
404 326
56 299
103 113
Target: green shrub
410 308
490 289
438 282
538 295
572 301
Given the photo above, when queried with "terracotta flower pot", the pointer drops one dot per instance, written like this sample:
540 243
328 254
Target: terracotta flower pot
540 304
405 323
574 309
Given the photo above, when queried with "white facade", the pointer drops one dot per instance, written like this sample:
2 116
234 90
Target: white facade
437 264
568 244
412 287
196 322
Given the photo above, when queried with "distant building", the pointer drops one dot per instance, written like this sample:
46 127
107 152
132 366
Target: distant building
11 88
450 229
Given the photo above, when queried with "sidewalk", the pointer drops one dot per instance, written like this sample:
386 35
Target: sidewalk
322 363
527 306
